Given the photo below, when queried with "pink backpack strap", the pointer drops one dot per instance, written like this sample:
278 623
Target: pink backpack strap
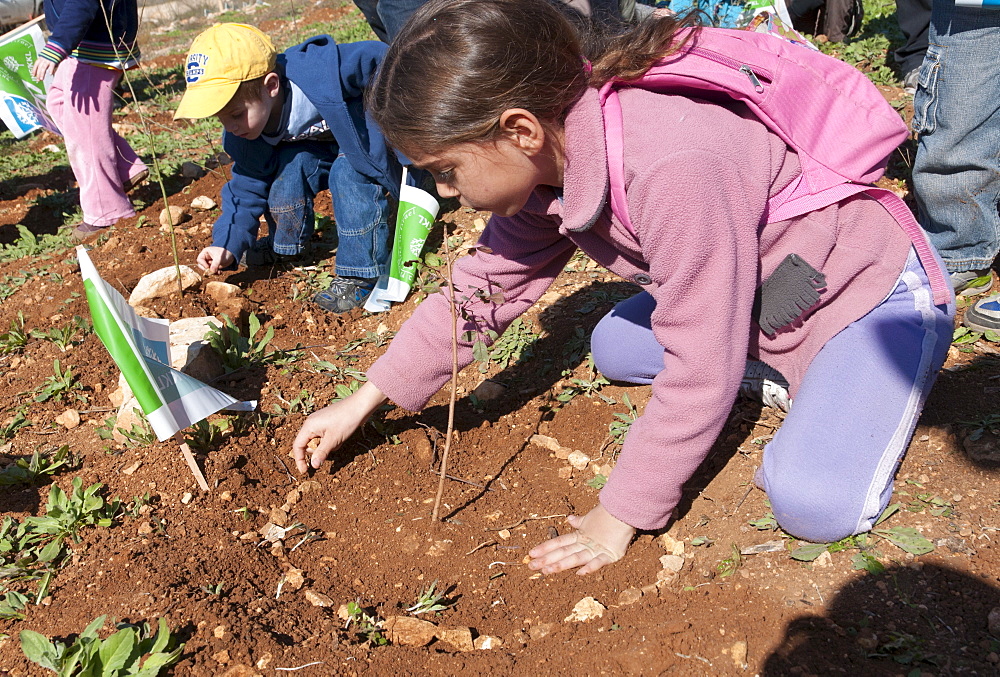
781 207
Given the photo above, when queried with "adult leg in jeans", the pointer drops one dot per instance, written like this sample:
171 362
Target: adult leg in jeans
80 102
828 471
956 174
303 168
360 208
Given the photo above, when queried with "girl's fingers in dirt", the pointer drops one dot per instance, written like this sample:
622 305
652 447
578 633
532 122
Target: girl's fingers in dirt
543 549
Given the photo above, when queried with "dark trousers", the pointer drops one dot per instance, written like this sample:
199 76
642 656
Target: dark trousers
914 17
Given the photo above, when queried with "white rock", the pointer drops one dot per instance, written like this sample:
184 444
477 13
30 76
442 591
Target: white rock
586 609
129 414
222 290
172 215
162 282
671 544
318 598
672 562
203 203
487 642
578 459
69 419
190 353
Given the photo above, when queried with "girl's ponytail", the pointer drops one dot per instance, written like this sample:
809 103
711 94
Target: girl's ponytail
627 54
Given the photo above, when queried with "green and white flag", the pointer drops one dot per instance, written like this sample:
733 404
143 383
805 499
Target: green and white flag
414 218
140 346
22 99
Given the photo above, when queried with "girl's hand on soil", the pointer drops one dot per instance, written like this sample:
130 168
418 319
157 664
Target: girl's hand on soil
212 259
42 69
332 425
599 539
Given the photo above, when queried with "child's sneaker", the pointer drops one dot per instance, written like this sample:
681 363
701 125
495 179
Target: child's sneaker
972 282
765 384
984 315
345 293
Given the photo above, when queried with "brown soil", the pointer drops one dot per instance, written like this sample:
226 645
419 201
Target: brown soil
370 507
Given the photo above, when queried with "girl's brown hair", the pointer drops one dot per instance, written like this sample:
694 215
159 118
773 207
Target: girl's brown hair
458 64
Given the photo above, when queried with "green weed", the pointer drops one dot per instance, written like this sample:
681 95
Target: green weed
619 428
366 625
64 337
11 426
59 386
429 601
238 351
14 340
30 471
515 345
131 651
28 244
207 435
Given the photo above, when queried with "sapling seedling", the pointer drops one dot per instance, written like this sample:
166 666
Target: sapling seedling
366 625
429 601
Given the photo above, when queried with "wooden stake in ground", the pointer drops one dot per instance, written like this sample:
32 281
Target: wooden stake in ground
192 463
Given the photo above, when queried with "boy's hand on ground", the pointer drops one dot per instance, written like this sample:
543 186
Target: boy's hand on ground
332 425
598 539
213 259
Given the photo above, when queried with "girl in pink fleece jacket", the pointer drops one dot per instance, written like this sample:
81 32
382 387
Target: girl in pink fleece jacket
497 99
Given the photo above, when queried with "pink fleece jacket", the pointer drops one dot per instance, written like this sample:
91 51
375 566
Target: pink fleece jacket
698 176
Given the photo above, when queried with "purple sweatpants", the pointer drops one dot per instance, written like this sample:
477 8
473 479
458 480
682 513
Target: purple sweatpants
828 471
80 101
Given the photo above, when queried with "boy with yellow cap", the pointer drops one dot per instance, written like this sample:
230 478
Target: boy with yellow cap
294 125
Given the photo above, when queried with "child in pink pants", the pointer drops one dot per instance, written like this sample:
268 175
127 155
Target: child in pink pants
92 42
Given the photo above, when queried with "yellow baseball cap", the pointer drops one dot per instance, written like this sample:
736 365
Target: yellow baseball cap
220 59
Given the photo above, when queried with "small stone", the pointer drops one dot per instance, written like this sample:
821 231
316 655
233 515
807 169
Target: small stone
343 613
422 448
264 661
504 534
69 419
219 632
132 468
629 596
487 642
221 656
309 485
671 544
489 390
540 630
479 224
406 631
226 496
739 654
294 579
578 460
993 622
272 532
665 576
221 291
293 497
279 517
824 560
173 215
546 442
52 148
586 609
562 453
162 282
672 563
439 548
867 639
145 528
318 598
240 670
565 472
186 498
460 638
203 203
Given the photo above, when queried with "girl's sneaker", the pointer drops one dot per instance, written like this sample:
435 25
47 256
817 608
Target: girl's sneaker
765 384
984 315
345 293
972 282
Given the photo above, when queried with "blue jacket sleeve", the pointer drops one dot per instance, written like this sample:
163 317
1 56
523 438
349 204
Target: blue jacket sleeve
72 21
244 197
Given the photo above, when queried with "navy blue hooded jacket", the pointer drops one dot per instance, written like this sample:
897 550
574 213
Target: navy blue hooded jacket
333 77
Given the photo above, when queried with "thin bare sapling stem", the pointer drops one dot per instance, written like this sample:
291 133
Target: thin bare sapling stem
454 377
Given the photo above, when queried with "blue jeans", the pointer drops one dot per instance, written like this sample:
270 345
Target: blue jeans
956 174
360 207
